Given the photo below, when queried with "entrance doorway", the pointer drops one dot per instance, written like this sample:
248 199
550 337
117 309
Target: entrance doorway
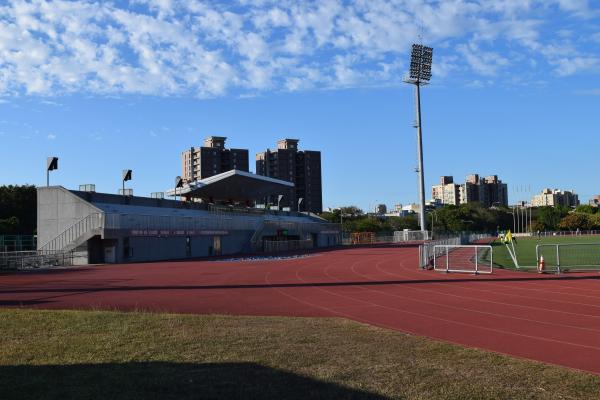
217 245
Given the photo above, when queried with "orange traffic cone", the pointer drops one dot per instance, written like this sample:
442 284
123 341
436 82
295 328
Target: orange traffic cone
541 265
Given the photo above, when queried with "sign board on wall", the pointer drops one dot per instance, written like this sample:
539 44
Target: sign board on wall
176 232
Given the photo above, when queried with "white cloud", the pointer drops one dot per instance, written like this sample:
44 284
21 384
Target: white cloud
51 136
589 92
570 66
578 7
485 63
208 49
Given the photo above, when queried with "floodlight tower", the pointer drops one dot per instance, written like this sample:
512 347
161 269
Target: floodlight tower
420 74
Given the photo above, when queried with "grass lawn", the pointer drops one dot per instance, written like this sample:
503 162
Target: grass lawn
525 248
112 355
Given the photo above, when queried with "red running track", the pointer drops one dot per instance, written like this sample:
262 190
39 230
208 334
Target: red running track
546 318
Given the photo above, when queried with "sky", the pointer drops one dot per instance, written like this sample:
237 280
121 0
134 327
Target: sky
110 85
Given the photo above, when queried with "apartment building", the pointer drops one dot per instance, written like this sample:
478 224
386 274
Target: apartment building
212 159
489 191
303 168
447 192
553 198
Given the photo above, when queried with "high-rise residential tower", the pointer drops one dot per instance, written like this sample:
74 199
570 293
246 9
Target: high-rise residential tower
489 191
303 168
212 159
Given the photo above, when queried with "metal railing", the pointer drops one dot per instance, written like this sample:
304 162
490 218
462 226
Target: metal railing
566 233
18 243
275 246
233 210
158 222
569 256
16 260
411 236
73 233
464 258
428 253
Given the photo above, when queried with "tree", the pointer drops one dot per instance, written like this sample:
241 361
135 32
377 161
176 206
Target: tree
19 202
575 221
9 225
549 217
586 209
368 225
400 223
595 221
351 212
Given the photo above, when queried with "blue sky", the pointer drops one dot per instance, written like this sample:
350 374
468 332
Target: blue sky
130 84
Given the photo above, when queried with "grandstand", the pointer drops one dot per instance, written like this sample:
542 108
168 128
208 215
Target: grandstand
107 228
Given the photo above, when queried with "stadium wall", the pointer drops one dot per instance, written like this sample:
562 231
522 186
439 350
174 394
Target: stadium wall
127 234
57 210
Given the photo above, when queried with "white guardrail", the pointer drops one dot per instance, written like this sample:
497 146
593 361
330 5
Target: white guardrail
74 232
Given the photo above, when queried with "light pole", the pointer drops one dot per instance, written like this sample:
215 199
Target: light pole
514 221
420 74
433 213
51 165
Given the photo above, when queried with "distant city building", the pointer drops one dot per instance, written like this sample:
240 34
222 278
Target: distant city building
380 209
595 201
489 191
303 168
433 203
411 208
447 192
212 159
554 198
396 211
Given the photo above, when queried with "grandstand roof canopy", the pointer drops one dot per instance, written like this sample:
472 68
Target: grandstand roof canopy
233 185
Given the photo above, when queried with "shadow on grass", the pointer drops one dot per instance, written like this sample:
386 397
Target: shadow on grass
164 380
21 303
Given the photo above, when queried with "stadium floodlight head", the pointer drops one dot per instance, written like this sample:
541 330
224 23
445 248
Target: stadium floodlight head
420 63
178 182
126 177
420 73
51 165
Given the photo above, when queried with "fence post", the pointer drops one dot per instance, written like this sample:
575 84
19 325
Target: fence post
476 260
447 260
558 258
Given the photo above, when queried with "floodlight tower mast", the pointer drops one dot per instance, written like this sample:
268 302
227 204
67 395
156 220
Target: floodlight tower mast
420 74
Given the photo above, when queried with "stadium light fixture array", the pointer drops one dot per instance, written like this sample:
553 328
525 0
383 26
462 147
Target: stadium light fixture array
51 165
178 184
421 59
126 177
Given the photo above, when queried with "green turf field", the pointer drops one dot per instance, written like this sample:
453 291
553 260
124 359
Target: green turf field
112 355
525 248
